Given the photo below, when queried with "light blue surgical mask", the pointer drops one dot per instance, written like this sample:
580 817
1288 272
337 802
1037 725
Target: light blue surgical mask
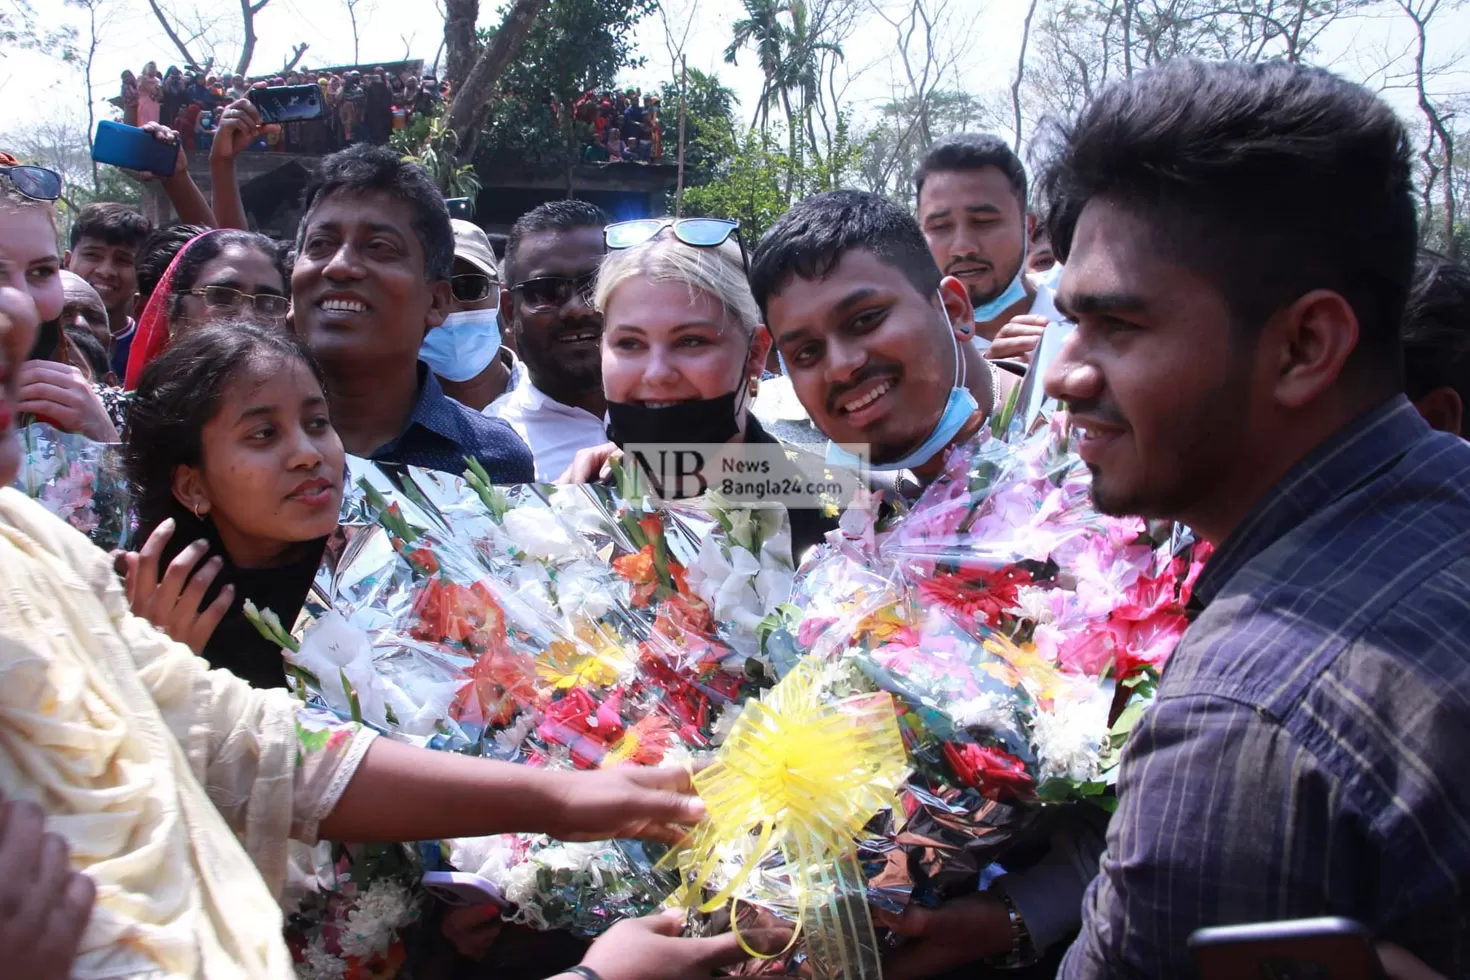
957 411
463 345
1014 293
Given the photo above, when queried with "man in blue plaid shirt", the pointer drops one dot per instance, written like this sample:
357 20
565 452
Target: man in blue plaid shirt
1239 242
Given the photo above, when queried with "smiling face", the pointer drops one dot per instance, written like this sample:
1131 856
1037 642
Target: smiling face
560 345
241 268
1154 373
113 272
28 246
82 308
358 289
870 357
270 478
975 227
665 344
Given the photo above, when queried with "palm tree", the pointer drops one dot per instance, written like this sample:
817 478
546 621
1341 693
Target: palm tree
762 28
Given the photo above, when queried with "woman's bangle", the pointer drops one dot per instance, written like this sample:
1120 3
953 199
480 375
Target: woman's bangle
585 972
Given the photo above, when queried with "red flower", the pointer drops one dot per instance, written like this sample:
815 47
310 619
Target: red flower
585 727
979 593
994 772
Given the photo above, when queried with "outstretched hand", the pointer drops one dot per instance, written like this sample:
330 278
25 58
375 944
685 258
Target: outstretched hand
627 802
640 949
172 601
165 135
238 128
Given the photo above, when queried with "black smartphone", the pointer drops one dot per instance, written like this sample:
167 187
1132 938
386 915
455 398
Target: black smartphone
288 103
134 149
461 207
1299 949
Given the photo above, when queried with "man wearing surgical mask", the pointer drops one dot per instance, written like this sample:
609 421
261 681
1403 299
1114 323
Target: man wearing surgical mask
971 192
464 352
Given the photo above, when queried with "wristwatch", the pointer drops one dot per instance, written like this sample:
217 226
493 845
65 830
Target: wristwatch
1023 951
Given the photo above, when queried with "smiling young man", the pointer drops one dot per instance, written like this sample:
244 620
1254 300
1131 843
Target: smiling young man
971 192
1239 243
551 260
875 340
375 256
104 251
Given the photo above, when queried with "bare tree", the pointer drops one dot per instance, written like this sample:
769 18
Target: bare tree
173 35
1438 153
86 55
295 58
353 7
1021 73
248 11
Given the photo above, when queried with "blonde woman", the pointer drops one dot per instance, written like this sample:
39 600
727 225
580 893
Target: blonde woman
682 346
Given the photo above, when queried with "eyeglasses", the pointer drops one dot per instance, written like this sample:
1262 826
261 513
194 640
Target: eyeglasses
698 232
36 183
471 287
554 291
225 298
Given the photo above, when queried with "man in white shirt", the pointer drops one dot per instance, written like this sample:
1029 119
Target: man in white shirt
551 262
972 206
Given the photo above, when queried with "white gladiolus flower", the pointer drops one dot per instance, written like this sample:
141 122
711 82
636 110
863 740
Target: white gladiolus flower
538 535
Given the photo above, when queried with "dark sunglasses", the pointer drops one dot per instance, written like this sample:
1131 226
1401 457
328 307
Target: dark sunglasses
226 298
471 287
698 232
36 183
554 291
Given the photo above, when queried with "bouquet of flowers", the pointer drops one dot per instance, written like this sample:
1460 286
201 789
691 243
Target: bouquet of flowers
352 907
1016 635
80 481
550 626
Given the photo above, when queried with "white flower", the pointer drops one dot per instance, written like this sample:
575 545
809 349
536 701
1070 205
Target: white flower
380 913
518 884
318 964
1069 739
727 584
987 712
582 589
509 741
539 534
1033 603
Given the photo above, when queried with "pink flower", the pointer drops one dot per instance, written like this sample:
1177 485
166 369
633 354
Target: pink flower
812 629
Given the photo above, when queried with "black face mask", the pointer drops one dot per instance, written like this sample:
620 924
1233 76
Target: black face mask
705 421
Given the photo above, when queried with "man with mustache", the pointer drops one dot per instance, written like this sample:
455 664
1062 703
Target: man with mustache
1239 243
971 192
372 277
551 262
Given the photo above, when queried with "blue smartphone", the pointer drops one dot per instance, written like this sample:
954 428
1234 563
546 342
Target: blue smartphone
134 149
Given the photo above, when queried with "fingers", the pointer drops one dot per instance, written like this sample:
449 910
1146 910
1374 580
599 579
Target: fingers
725 950
145 566
1400 964
208 621
166 605
54 373
671 800
68 919
21 826
1012 348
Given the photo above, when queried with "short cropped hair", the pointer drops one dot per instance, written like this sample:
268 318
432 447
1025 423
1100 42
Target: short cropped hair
560 215
717 272
1437 328
112 224
810 239
368 169
1269 180
973 151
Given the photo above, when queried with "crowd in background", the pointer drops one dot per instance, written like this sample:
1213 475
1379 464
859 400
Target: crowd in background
359 107
625 126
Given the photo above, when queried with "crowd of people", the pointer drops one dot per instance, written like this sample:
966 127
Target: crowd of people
359 107
625 126
1255 346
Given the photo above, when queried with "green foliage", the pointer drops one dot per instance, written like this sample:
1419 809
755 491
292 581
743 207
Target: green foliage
708 125
20 30
757 178
430 143
575 46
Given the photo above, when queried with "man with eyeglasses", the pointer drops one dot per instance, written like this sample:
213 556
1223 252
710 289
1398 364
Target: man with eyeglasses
465 352
551 260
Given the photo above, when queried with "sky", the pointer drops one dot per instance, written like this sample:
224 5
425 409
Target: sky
986 33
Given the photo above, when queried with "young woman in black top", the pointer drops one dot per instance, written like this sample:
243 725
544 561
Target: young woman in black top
237 475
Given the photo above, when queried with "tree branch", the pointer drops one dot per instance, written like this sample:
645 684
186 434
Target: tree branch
472 98
172 35
296 53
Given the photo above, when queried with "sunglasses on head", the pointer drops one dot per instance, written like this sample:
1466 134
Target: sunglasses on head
471 287
36 183
698 232
546 292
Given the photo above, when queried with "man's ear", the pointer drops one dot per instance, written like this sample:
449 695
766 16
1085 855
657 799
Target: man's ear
760 350
1313 338
66 260
1443 409
441 302
957 307
1030 226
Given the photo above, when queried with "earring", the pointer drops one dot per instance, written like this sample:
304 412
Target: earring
199 512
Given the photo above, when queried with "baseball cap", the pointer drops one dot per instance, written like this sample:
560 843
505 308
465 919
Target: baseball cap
473 245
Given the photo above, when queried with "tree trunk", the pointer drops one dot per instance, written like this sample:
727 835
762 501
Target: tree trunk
248 11
173 36
683 108
1021 74
460 18
356 40
471 105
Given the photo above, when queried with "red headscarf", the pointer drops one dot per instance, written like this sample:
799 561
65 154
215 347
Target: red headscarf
151 338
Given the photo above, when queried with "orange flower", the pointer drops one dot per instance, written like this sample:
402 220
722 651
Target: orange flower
496 686
638 570
644 744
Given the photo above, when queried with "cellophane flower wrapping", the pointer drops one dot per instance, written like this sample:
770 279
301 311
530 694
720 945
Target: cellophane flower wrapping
80 481
349 908
549 626
1020 633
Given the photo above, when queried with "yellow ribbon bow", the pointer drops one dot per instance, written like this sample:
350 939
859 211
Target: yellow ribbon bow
803 773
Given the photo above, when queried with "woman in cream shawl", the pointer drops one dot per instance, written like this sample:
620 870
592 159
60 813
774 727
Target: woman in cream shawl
177 787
